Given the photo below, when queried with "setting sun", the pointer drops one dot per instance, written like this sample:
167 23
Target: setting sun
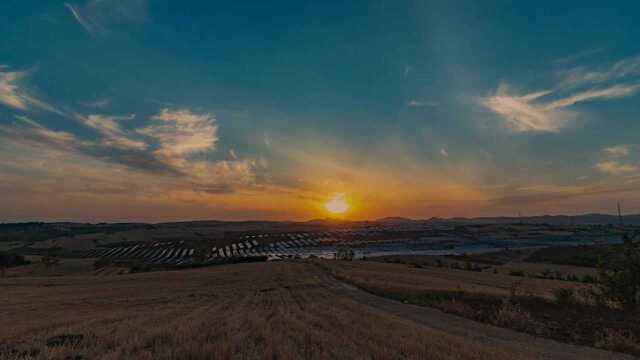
337 204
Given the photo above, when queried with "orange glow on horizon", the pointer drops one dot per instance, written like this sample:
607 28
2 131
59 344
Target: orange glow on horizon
337 205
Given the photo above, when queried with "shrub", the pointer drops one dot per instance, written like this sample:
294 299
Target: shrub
617 340
564 296
572 277
513 316
516 273
620 282
588 279
457 307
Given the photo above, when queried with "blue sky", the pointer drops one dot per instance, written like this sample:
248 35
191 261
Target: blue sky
116 110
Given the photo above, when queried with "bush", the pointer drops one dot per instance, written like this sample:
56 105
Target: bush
564 296
572 277
620 282
616 340
513 316
516 273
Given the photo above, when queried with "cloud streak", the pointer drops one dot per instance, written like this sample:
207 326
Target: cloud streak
522 113
13 95
96 16
550 110
111 131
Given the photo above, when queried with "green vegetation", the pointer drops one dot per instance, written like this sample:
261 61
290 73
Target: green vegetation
586 256
620 280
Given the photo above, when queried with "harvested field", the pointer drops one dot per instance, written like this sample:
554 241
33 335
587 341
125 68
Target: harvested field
527 305
247 311
64 268
408 278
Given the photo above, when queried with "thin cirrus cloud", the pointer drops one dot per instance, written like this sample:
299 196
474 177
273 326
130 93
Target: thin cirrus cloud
614 167
97 16
97 104
550 110
582 75
617 151
112 133
13 95
617 160
417 103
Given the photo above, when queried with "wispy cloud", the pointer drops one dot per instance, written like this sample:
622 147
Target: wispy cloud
617 151
612 92
418 103
88 25
550 110
182 133
96 16
615 167
578 56
617 161
528 113
522 113
166 149
13 95
97 104
112 133
585 75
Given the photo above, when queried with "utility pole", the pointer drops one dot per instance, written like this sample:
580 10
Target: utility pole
620 214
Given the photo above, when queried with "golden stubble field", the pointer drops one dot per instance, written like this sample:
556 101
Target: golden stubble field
400 277
247 311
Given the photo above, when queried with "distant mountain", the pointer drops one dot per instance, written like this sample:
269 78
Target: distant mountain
543 219
603 219
328 221
394 220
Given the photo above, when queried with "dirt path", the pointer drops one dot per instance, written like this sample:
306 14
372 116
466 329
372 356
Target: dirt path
504 338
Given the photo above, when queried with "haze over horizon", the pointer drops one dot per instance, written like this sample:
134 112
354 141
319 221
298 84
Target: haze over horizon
114 110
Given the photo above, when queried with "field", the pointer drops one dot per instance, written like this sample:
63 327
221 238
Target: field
275 310
246 311
182 291
557 309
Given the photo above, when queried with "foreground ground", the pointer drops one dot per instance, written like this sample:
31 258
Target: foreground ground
246 311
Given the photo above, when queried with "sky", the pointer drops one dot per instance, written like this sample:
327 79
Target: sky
136 110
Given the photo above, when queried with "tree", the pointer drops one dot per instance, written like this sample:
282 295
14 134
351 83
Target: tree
345 253
620 280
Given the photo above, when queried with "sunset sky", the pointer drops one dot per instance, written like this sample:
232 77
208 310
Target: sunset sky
134 110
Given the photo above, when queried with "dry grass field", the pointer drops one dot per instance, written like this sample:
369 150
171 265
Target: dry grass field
246 311
556 309
400 277
65 267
